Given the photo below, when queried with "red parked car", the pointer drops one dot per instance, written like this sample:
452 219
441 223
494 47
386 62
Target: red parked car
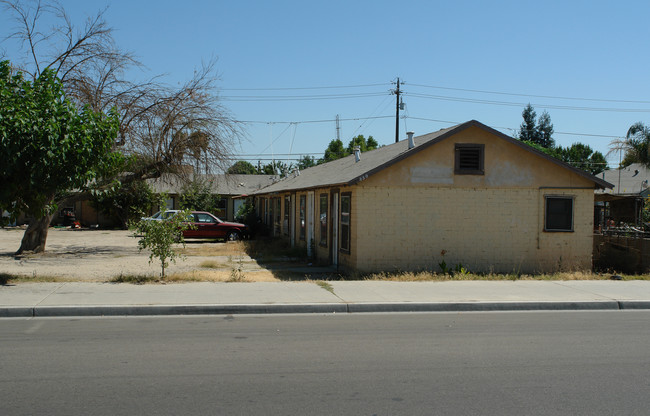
207 225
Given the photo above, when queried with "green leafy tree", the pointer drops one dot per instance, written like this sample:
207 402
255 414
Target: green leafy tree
335 150
242 167
305 162
536 131
164 128
198 196
365 145
275 167
160 236
47 146
126 201
528 129
582 157
545 131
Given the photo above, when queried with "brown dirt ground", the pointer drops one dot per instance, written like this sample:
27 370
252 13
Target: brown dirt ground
103 255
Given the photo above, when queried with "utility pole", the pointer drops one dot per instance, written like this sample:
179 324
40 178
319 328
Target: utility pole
338 128
398 105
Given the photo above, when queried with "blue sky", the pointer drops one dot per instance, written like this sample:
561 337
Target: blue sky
536 51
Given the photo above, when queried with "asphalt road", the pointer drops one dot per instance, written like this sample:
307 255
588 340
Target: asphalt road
550 363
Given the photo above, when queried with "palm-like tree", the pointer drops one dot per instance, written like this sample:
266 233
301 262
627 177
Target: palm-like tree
635 145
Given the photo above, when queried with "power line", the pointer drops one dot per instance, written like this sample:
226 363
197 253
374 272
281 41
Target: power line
511 129
512 104
532 95
311 121
607 136
299 97
303 88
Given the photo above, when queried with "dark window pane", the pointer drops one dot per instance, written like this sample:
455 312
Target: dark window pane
559 214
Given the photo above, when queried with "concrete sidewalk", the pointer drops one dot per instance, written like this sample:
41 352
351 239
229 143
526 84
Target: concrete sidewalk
110 299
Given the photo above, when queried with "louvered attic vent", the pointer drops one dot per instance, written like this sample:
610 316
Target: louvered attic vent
469 159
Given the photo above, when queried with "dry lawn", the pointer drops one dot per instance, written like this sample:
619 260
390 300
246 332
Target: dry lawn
113 256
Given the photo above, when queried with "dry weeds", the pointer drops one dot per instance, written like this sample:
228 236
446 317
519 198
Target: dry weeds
431 276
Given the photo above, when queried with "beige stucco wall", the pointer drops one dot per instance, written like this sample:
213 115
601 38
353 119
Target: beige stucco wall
506 166
499 230
405 215
408 213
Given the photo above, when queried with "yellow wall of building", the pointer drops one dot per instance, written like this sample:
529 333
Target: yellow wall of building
506 166
485 230
404 216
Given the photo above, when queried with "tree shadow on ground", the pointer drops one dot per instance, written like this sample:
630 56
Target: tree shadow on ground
4 279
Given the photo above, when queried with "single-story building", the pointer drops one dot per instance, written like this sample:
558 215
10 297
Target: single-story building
624 202
229 187
468 195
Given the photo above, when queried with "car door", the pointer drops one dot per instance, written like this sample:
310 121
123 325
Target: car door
207 225
192 232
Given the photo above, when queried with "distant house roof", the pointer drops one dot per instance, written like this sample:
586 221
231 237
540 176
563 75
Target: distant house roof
628 181
345 171
225 184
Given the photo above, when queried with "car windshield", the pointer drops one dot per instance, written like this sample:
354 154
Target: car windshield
163 215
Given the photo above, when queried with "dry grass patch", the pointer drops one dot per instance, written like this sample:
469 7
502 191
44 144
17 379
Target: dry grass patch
234 248
209 264
431 276
221 276
35 278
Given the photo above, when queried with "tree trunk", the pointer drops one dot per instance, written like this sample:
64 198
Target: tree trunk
35 235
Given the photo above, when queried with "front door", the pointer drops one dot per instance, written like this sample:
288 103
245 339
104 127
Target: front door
310 223
334 247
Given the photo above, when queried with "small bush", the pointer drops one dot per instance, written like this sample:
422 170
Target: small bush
159 236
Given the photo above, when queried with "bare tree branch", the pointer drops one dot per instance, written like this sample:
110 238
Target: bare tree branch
165 129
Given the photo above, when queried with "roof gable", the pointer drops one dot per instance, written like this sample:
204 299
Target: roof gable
346 171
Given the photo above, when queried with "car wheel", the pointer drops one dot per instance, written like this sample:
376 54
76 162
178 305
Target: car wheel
233 236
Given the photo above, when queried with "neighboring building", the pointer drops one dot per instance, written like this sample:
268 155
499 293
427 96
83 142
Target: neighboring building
230 187
624 203
488 201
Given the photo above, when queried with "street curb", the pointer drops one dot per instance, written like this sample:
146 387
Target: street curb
16 311
324 308
634 304
484 306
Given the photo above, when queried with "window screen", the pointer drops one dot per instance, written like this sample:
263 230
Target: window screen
559 214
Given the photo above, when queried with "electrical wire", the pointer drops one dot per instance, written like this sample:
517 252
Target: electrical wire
303 88
512 104
310 121
511 129
299 97
532 95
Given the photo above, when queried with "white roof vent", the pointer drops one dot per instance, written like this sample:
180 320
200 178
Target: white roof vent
410 137
357 154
